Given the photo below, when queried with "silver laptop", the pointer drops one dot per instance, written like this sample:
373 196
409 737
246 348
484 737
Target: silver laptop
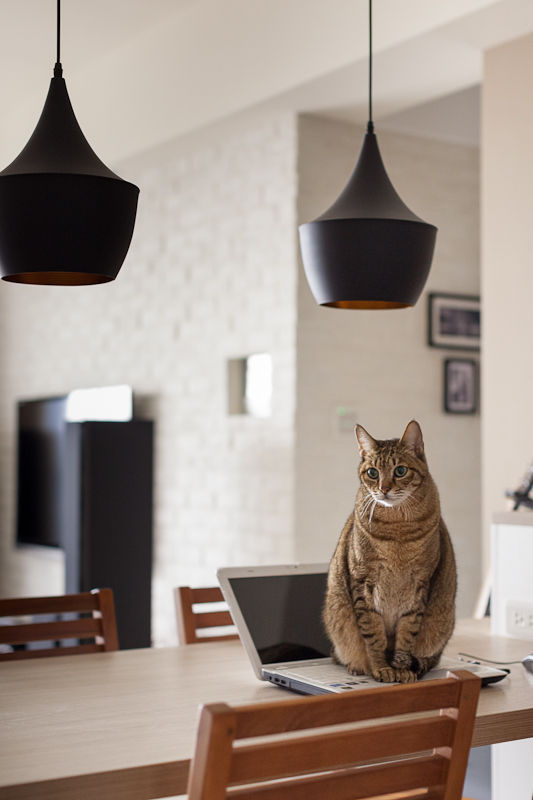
278 614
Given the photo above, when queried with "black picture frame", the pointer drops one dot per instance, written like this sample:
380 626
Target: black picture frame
460 386
454 321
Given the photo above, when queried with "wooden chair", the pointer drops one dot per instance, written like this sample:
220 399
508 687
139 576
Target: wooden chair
388 759
189 620
90 616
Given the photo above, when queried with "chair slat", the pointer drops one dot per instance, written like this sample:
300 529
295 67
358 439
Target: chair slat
309 753
207 594
49 631
415 794
303 713
26 606
212 619
355 783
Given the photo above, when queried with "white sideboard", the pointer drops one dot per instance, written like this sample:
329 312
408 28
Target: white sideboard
512 574
511 608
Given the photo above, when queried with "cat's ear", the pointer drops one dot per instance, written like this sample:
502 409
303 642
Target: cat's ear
412 439
364 440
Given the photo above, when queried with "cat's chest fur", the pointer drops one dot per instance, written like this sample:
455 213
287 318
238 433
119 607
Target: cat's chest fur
392 594
395 573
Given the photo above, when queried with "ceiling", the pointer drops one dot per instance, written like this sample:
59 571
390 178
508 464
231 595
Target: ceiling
140 72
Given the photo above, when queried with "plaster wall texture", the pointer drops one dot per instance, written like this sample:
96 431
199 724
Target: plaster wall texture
507 174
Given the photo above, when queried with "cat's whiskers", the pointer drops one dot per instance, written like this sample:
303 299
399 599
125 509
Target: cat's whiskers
374 504
408 507
367 502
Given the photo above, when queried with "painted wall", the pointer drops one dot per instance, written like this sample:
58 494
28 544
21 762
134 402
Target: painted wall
210 276
377 365
507 278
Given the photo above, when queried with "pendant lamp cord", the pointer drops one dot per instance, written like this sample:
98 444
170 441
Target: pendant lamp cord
370 126
58 69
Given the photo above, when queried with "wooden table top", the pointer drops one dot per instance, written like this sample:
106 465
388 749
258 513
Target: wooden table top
123 724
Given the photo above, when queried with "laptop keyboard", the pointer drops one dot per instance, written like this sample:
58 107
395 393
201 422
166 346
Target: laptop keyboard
332 675
337 678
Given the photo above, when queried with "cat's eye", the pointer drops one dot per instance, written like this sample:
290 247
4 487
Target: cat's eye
400 471
372 473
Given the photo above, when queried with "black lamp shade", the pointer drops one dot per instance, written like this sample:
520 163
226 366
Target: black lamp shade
65 218
368 250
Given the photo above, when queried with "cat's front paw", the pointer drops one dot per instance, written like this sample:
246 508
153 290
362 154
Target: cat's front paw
392 675
384 674
356 669
401 660
405 676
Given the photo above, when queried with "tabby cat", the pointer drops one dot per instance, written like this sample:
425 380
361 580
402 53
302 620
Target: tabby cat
390 601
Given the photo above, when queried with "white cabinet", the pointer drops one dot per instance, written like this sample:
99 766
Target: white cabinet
512 770
512 575
512 615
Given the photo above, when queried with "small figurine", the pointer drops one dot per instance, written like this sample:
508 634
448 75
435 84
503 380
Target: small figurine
521 495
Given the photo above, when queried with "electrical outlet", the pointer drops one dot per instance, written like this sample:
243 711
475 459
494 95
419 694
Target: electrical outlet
519 619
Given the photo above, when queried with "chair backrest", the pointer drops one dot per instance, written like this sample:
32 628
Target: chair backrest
85 622
424 757
190 620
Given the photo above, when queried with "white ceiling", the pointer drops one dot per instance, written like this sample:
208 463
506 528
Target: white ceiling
454 118
142 71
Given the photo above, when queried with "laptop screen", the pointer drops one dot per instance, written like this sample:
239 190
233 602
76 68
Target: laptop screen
283 614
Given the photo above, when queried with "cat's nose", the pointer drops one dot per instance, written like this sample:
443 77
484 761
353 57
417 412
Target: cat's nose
385 489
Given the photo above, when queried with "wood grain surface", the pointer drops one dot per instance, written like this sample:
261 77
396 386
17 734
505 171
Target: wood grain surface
123 723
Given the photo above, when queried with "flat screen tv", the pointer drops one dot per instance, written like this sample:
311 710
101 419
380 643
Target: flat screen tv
41 437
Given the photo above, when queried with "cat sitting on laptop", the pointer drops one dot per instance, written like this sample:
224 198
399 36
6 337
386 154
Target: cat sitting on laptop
390 601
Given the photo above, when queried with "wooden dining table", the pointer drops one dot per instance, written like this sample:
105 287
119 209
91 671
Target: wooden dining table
123 724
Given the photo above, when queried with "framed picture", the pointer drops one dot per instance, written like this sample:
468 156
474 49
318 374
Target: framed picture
460 386
454 321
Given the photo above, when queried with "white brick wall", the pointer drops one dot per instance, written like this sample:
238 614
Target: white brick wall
210 275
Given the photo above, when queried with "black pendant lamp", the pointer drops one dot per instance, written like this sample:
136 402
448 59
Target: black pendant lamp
368 250
65 218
